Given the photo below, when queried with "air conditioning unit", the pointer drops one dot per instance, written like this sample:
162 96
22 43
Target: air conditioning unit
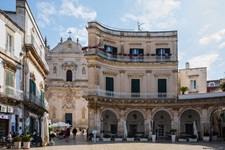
3 108
10 109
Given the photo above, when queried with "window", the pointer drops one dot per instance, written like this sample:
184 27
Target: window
111 51
193 85
109 86
162 54
9 43
135 87
136 54
83 70
69 75
162 88
54 69
32 90
9 82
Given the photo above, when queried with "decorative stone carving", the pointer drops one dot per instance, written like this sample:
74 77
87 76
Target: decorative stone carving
41 85
32 76
68 101
69 66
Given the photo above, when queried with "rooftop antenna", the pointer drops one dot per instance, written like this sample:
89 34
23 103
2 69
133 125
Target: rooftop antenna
139 26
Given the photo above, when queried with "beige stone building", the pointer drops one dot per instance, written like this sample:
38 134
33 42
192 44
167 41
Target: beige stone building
67 78
133 86
194 79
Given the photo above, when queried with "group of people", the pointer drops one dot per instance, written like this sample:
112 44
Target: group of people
67 133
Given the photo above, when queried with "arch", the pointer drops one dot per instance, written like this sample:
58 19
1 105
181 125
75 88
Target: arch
212 110
143 114
188 117
200 114
69 76
163 109
110 109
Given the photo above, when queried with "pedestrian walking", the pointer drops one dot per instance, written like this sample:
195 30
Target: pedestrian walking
67 134
74 132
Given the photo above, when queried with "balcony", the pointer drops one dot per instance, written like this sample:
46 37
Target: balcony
11 93
128 58
131 96
30 41
32 99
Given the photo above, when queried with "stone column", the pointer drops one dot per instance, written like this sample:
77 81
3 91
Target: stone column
98 120
91 76
204 122
175 120
122 85
121 121
148 81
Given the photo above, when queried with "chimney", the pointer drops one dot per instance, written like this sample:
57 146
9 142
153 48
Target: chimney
20 12
187 65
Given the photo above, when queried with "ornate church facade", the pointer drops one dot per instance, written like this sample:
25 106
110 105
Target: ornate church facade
65 83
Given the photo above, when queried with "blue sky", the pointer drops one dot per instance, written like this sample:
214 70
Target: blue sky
200 24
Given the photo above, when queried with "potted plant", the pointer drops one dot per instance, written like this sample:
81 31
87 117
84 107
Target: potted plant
97 138
206 137
106 138
173 136
184 89
193 138
130 137
214 136
17 142
118 138
144 138
182 139
26 142
153 135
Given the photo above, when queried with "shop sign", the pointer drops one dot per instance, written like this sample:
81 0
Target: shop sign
3 108
10 109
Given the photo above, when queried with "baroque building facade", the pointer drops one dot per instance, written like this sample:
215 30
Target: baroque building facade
65 82
133 85
24 69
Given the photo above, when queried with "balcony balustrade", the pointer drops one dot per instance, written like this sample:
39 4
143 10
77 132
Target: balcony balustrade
30 40
132 96
138 58
36 99
11 92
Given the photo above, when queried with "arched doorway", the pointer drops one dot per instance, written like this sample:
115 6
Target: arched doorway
135 123
187 120
217 122
69 75
109 122
162 123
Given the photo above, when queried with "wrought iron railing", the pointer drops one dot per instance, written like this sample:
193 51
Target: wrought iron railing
134 96
128 58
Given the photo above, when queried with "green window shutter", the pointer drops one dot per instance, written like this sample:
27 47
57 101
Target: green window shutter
7 78
42 96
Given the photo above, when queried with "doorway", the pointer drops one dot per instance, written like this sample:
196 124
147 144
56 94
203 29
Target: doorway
189 129
133 129
161 132
114 128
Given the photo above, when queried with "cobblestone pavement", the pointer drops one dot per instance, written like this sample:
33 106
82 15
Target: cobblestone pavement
81 144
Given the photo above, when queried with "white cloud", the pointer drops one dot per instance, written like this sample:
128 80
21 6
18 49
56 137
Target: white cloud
222 45
68 8
206 60
45 10
181 55
158 13
214 37
80 33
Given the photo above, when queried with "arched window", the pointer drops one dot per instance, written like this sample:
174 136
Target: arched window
54 69
83 70
69 75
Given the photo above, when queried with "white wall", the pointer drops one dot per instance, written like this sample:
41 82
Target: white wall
18 79
2 34
17 44
1 74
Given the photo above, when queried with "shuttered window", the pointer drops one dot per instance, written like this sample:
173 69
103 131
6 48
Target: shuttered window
9 82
